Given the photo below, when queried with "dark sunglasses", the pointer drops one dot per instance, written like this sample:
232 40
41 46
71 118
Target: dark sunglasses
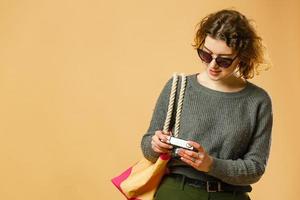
221 61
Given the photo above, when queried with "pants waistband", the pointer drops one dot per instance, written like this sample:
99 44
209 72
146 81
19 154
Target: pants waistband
210 186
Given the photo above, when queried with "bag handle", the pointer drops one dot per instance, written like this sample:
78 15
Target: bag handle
179 104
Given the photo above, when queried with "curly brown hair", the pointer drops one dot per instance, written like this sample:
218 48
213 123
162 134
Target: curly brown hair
237 31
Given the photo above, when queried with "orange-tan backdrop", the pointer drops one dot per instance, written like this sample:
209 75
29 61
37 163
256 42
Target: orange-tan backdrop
79 80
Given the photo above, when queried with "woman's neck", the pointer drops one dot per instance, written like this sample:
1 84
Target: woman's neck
230 84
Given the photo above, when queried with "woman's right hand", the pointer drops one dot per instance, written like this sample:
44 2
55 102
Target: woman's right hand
159 142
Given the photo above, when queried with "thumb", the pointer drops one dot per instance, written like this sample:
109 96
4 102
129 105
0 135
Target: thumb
196 146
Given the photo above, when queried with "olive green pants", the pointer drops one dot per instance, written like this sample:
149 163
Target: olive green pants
172 188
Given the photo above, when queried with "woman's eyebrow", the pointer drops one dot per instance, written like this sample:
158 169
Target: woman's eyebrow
223 54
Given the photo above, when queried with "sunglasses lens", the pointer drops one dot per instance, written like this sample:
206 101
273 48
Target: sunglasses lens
224 62
205 57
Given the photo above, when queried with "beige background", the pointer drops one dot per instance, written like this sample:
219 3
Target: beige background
79 81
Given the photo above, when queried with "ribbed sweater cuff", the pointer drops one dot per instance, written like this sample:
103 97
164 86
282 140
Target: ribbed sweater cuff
235 172
149 154
217 168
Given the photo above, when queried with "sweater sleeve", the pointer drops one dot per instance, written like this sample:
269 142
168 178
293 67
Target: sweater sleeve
157 122
250 168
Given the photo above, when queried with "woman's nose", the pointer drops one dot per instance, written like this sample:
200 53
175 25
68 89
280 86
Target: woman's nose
213 64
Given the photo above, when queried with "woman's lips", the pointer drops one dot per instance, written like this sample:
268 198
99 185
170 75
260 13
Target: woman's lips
213 72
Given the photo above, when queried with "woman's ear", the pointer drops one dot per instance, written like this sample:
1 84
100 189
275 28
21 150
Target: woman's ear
240 64
237 69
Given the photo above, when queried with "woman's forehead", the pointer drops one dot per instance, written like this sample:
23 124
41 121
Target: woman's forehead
217 46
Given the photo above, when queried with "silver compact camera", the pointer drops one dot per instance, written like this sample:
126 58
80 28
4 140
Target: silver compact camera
179 143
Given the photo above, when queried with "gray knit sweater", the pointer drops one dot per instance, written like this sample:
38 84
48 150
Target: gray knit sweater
233 127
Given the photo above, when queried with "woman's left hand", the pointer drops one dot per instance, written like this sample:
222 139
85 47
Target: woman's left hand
199 160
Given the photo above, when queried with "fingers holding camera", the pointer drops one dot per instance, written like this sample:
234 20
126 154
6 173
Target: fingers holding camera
199 160
159 142
163 136
159 149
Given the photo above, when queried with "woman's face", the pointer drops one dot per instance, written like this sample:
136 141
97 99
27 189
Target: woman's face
219 48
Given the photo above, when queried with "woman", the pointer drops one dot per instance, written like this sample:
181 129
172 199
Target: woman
225 117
